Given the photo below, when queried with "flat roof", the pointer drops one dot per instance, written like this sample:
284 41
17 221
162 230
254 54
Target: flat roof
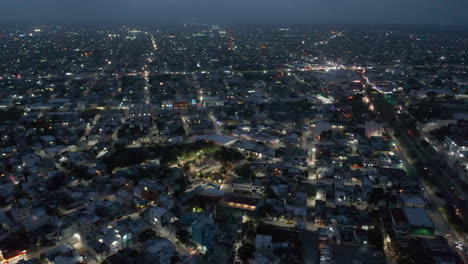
412 199
418 217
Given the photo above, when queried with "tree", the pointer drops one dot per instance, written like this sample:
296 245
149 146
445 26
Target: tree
454 220
125 157
269 193
245 251
175 259
81 172
134 130
245 171
412 155
182 235
11 114
401 254
56 182
147 235
376 195
121 133
376 238
228 155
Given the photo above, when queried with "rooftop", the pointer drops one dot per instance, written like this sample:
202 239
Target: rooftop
418 217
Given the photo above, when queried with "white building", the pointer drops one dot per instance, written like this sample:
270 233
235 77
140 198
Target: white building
212 102
374 129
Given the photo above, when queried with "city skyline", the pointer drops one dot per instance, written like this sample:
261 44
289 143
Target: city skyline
233 132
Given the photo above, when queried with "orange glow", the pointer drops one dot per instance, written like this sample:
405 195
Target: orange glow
14 257
242 206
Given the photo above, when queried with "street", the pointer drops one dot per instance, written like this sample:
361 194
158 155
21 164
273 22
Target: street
405 144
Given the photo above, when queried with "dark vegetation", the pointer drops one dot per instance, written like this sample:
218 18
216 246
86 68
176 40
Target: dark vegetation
11 114
124 157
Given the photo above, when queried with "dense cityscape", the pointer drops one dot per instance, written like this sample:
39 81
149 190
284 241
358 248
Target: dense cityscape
201 143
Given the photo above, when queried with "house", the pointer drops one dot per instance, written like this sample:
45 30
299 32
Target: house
47 140
204 233
148 190
158 251
157 215
99 251
212 102
263 242
30 160
6 188
5 223
242 184
124 198
65 254
31 218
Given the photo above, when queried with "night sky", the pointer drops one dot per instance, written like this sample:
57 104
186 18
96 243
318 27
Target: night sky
444 12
